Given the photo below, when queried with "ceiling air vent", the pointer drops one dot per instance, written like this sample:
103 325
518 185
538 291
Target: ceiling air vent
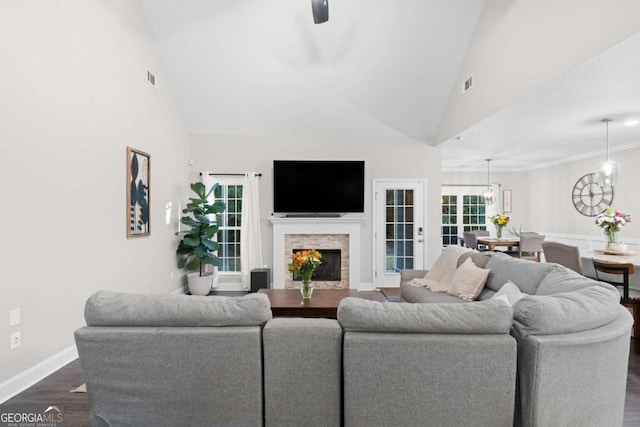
467 84
151 78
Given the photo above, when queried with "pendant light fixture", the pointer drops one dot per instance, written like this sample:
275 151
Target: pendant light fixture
487 193
608 170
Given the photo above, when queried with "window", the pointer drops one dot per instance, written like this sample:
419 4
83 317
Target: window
463 209
230 193
473 213
449 219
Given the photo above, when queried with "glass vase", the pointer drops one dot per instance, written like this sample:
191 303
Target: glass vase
613 244
499 231
612 239
306 288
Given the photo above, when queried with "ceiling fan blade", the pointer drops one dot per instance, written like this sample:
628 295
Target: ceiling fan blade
320 11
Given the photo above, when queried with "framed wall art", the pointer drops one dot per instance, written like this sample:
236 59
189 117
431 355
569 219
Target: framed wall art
506 201
138 193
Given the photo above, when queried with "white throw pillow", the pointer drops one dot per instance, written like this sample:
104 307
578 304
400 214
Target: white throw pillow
468 280
502 298
511 292
439 277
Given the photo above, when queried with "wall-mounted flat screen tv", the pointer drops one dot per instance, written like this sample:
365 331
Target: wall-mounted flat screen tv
321 187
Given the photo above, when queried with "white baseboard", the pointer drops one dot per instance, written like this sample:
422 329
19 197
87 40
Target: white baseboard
366 287
26 379
180 291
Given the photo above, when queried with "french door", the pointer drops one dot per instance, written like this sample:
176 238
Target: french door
399 234
463 209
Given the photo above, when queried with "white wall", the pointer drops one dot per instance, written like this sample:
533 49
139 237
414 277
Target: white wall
550 195
519 45
541 198
73 96
384 158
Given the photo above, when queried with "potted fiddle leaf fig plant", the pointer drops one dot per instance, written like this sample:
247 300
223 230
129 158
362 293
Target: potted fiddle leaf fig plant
197 246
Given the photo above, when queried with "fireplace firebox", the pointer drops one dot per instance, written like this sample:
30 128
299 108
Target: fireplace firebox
330 269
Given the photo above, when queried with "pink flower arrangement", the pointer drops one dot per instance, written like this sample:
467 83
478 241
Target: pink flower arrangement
611 223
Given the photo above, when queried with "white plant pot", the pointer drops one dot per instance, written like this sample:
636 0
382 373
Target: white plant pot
200 285
214 284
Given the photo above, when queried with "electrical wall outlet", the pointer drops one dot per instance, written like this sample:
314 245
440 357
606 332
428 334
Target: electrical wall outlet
16 340
14 317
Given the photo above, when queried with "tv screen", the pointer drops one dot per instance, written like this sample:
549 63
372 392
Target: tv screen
318 186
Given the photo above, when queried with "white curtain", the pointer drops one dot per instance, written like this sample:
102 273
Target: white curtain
250 239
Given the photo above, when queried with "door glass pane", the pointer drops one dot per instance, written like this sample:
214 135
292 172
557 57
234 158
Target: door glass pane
449 203
399 229
472 215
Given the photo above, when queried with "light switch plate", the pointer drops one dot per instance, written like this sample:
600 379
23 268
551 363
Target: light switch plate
14 317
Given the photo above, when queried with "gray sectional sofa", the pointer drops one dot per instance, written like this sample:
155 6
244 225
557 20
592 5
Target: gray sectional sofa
173 360
558 356
573 340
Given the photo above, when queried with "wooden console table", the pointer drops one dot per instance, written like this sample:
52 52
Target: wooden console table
323 303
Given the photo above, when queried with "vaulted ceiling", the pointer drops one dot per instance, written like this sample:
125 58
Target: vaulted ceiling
561 121
377 68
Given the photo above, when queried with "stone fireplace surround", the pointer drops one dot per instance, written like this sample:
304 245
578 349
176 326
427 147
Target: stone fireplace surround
319 242
317 233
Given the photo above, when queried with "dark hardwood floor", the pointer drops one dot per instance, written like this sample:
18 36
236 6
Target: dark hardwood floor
55 390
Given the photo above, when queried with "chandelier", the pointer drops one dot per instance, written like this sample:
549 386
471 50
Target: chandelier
487 194
609 169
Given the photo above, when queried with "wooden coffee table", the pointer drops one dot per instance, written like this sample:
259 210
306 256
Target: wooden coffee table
323 303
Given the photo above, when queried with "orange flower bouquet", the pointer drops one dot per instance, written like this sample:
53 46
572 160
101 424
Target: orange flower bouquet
305 263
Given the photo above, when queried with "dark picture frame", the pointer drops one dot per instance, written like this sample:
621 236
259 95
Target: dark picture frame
138 193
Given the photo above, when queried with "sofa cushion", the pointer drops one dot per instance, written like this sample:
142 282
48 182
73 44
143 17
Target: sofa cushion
408 275
420 295
510 293
127 309
479 258
566 312
562 279
480 317
439 277
468 280
524 273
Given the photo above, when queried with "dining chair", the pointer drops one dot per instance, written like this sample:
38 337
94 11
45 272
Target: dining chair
618 269
530 246
566 255
471 239
621 272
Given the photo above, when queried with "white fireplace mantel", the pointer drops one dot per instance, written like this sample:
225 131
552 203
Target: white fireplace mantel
347 224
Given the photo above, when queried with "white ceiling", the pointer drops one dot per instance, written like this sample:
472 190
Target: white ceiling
377 68
561 121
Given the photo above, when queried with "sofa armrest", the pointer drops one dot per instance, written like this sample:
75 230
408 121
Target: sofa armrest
406 275
553 387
